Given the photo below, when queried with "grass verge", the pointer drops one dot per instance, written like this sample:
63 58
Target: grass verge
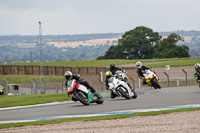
107 117
22 100
23 79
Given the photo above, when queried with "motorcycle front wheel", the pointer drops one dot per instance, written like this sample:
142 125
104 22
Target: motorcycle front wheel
82 97
100 99
155 83
124 93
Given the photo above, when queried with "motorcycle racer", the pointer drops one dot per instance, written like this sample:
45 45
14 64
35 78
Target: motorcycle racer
68 75
197 72
113 68
108 76
140 69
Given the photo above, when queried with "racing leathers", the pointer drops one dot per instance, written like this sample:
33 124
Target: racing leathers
140 73
197 76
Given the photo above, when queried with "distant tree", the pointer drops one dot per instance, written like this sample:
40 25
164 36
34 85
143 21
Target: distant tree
167 48
138 43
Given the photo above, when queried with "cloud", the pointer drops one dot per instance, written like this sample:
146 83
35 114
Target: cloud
93 16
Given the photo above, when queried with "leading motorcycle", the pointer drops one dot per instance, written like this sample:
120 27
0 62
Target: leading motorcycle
81 93
151 79
119 84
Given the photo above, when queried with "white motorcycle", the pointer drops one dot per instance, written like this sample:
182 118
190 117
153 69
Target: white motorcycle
119 85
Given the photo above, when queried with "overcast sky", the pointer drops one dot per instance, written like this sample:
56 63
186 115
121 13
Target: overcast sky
61 17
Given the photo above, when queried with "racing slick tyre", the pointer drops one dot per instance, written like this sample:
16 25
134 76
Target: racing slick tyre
155 83
100 99
82 97
135 95
124 93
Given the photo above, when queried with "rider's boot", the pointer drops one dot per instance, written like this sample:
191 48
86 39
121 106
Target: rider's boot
144 82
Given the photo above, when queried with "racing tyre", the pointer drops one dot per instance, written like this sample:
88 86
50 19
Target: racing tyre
155 83
82 97
100 99
124 93
135 95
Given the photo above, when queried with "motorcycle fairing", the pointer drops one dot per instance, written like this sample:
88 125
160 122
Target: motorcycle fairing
149 75
116 83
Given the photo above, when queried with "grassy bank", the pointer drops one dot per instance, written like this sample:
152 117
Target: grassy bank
190 62
95 63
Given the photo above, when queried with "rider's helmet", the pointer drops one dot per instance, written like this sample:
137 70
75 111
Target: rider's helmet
108 74
112 65
138 64
68 75
197 66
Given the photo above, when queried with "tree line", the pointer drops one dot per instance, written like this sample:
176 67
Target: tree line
143 43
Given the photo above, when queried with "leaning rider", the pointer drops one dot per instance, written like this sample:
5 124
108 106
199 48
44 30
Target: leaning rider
197 72
108 76
113 68
140 70
70 76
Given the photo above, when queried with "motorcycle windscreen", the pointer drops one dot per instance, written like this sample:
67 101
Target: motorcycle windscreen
71 85
148 75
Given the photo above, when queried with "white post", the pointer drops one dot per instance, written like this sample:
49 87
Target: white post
177 82
139 83
101 74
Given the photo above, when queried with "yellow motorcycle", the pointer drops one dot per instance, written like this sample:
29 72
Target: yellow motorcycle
151 79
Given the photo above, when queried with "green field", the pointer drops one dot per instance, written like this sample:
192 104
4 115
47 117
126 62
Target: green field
95 63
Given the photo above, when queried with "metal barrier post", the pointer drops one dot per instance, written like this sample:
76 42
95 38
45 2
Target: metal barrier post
32 85
6 86
101 85
133 82
185 77
35 86
44 90
101 80
56 85
167 78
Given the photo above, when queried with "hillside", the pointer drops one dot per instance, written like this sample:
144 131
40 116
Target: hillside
74 47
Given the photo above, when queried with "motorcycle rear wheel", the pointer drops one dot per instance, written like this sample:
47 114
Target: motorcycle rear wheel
135 95
82 97
124 94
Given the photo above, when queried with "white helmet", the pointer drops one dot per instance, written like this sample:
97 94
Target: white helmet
138 64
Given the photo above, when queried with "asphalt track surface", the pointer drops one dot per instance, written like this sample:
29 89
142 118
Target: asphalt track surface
147 98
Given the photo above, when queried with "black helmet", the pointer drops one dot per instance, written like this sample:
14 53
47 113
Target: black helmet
112 65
